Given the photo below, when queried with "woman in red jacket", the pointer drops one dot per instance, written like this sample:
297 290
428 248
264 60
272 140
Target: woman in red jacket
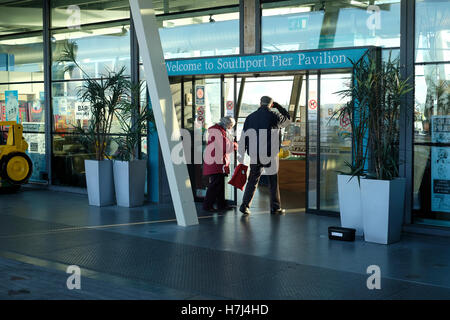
216 163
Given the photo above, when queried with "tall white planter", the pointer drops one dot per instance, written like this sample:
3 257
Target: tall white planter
382 204
350 203
129 180
99 181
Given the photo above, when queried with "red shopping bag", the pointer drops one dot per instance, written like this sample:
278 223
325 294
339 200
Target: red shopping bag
239 177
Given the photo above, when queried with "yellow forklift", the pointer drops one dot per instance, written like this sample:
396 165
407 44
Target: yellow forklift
15 165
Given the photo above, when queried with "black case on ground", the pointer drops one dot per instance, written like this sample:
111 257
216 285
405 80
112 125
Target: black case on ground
339 233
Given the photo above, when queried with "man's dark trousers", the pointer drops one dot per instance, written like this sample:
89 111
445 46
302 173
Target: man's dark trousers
215 191
252 183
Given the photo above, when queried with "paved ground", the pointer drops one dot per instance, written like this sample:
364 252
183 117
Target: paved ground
141 253
23 281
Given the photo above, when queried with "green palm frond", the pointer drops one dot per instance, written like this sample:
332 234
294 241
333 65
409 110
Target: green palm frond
111 97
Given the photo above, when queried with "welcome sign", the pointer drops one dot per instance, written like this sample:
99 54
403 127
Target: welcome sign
289 61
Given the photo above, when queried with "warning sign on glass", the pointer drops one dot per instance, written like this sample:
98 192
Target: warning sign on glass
199 95
229 109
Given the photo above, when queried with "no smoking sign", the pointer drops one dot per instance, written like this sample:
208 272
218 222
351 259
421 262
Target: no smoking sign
312 104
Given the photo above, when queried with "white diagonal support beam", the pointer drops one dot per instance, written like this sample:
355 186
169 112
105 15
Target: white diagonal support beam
164 111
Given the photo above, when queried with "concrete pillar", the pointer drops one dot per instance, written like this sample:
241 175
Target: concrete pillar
164 111
250 26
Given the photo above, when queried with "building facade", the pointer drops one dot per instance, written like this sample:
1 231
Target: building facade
36 89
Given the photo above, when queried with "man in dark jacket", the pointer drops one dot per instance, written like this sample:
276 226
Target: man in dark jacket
261 139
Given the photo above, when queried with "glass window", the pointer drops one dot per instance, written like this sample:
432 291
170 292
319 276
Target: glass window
172 6
335 139
432 98
229 96
21 58
312 136
20 16
432 144
36 152
72 14
329 24
210 35
432 30
68 158
68 108
98 49
23 103
69 153
212 100
188 107
175 88
294 137
393 54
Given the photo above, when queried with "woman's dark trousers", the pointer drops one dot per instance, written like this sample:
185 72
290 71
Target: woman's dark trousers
215 192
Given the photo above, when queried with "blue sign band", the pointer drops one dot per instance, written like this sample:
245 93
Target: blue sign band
290 61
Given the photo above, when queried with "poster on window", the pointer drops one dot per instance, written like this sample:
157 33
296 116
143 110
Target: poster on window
2 112
36 152
12 105
440 164
82 111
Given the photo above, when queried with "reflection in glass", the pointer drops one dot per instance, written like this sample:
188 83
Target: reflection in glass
278 88
290 92
23 103
212 100
68 109
99 49
229 111
188 96
207 100
71 14
392 54
200 36
432 30
431 196
144 156
329 24
36 152
312 134
69 153
432 98
335 139
21 58
172 6
20 16
293 144
68 160
175 88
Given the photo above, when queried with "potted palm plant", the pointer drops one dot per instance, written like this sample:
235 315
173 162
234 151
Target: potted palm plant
103 97
383 191
354 112
129 169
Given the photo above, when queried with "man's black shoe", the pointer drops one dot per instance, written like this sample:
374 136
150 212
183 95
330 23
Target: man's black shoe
226 208
278 211
210 210
245 210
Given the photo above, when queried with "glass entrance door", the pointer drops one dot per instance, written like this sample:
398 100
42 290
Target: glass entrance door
314 147
329 140
203 101
290 92
335 139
